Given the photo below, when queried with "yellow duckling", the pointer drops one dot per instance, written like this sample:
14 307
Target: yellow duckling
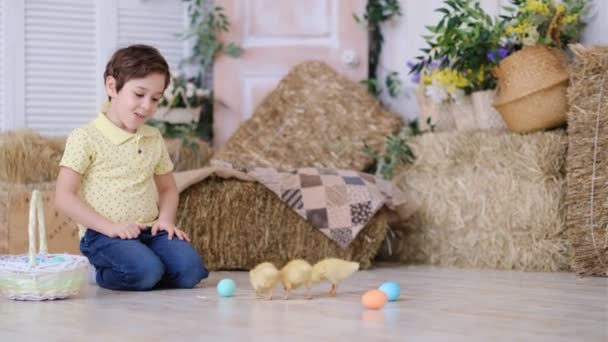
295 274
333 269
264 278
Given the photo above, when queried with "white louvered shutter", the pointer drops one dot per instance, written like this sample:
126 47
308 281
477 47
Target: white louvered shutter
154 23
60 60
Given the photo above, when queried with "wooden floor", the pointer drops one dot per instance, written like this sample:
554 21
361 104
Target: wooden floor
438 304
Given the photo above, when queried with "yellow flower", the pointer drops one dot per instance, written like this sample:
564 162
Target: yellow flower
519 29
535 6
450 79
427 79
561 9
480 75
570 18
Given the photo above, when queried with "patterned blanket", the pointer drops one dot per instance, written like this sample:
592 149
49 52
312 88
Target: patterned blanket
337 202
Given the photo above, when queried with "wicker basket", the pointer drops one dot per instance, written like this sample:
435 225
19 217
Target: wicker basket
532 87
178 115
43 276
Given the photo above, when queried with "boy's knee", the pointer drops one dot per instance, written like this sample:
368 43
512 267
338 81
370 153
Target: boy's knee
145 276
191 274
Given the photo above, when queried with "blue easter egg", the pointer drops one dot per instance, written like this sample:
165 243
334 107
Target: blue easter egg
391 289
226 288
57 260
27 259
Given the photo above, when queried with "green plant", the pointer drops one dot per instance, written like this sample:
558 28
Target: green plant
205 29
377 12
393 83
531 22
395 151
457 54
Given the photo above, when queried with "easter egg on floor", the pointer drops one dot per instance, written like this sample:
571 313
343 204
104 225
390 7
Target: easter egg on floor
226 288
391 289
374 299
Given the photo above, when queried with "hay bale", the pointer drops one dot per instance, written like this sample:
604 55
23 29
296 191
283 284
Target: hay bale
236 225
61 232
27 157
315 117
30 161
586 204
190 154
487 199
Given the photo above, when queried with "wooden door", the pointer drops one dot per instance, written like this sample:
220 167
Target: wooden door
275 36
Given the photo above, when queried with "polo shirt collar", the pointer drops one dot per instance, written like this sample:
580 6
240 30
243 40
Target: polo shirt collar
116 135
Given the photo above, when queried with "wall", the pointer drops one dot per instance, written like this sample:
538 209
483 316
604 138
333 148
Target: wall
403 41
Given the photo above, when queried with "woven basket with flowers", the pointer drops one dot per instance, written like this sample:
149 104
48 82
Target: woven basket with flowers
532 82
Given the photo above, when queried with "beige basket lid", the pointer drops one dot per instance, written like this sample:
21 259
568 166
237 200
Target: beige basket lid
530 70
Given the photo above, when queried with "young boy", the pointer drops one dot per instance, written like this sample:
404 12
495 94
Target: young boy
116 182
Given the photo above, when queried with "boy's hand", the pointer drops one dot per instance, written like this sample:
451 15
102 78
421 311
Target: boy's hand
126 231
171 230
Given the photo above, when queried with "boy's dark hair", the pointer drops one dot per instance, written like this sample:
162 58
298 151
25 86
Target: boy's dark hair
136 61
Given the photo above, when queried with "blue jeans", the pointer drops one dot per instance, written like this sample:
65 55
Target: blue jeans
143 263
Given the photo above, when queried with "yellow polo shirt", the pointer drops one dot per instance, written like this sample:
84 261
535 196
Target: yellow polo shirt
118 169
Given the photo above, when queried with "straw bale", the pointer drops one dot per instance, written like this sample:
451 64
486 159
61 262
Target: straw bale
487 199
315 117
586 198
27 157
61 232
186 156
237 224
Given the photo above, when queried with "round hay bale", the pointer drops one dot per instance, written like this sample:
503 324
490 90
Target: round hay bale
315 117
236 225
487 199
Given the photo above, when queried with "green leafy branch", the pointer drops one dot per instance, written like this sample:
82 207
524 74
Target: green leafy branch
205 29
377 12
395 151
461 40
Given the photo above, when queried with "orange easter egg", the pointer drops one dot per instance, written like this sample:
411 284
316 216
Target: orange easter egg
374 299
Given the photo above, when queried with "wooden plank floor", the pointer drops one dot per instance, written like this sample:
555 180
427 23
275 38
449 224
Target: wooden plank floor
438 304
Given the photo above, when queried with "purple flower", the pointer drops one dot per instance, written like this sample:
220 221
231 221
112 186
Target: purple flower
491 56
415 78
410 64
435 64
503 52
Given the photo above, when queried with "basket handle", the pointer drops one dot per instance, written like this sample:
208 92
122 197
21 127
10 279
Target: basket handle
180 92
36 212
163 111
554 31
